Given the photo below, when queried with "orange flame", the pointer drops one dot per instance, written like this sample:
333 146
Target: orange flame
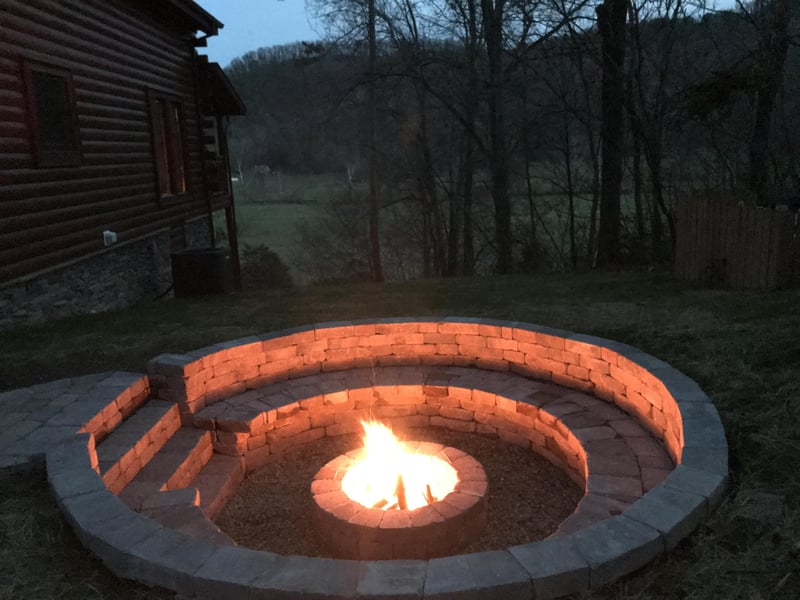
389 477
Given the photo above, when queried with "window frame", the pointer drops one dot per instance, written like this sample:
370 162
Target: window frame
43 156
169 138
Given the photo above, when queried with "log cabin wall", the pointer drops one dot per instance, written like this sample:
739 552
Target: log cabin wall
119 58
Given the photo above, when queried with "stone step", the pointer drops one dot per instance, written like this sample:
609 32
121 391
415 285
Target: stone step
217 482
192 521
136 441
174 467
180 510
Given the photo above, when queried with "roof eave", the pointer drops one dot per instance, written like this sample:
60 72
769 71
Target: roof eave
204 21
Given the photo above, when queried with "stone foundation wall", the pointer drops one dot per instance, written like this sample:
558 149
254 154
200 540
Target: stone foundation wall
116 277
198 233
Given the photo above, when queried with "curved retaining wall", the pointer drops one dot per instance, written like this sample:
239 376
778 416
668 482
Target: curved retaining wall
603 449
671 406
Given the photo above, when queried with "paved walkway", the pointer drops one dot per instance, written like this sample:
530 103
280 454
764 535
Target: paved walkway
34 419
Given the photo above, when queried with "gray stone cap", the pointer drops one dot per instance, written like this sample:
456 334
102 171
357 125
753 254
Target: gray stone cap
136 547
37 418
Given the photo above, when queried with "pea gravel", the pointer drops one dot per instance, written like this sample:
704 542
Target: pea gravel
528 496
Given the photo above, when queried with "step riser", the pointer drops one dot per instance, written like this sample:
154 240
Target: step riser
218 482
194 463
123 467
174 467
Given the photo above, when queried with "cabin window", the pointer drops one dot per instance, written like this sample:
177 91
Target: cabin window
169 144
53 116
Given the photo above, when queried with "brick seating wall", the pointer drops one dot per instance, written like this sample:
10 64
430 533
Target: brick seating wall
284 423
613 372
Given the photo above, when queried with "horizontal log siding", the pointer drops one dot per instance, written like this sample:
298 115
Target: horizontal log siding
115 53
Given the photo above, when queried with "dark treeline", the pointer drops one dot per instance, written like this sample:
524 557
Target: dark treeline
516 135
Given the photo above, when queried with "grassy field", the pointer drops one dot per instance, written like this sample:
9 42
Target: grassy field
270 208
742 348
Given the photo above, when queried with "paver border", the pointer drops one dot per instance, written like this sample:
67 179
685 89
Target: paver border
670 404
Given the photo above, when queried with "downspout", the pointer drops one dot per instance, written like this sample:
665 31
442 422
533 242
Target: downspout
198 104
230 210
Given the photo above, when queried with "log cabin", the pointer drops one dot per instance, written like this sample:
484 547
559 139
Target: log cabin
113 151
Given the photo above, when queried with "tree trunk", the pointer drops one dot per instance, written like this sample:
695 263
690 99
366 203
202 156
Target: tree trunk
573 248
454 228
532 241
641 233
471 101
498 159
468 261
774 56
374 223
428 191
656 230
657 186
611 17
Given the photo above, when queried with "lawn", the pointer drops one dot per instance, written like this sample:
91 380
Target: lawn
270 208
742 348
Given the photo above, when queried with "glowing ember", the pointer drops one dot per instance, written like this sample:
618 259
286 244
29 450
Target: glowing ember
389 477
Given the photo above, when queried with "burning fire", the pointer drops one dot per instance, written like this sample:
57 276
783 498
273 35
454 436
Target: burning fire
389 477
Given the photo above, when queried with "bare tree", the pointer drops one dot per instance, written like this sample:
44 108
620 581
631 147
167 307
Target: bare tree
372 123
611 18
772 20
653 98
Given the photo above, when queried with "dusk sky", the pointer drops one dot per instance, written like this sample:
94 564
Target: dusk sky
251 24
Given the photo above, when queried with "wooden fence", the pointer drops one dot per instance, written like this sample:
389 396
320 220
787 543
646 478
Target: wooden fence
742 247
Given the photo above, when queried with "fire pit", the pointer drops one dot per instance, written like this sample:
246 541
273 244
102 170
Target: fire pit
392 499
643 439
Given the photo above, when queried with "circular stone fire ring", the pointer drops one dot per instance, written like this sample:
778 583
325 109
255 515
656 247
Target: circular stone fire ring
348 529
213 388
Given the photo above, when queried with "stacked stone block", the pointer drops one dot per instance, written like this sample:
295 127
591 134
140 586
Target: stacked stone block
349 530
222 385
614 372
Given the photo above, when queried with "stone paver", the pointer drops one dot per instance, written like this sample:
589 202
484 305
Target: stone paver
477 576
169 559
699 482
616 547
674 513
392 579
38 418
229 572
555 567
303 577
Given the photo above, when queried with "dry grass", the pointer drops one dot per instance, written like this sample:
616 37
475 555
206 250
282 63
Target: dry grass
743 349
40 557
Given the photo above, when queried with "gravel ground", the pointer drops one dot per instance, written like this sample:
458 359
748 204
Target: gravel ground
528 496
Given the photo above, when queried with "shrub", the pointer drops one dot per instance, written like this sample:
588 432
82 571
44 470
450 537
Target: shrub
262 268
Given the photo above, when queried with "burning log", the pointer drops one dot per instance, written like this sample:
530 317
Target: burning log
400 492
429 498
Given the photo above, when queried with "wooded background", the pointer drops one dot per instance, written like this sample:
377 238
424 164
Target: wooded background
479 136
